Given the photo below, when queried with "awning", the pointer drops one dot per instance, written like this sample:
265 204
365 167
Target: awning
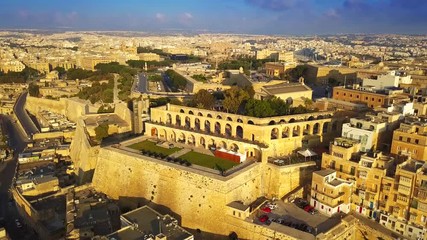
307 153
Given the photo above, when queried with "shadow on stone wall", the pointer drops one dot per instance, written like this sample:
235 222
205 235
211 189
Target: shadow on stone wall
127 204
85 176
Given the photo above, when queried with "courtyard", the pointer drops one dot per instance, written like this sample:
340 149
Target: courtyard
152 147
208 161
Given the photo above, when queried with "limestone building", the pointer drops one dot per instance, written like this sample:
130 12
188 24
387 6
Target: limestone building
389 80
386 188
292 93
371 97
370 131
275 69
329 194
201 195
286 56
250 136
410 138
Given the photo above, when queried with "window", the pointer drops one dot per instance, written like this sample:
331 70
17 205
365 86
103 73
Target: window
352 170
373 99
321 207
351 95
366 98
400 138
340 168
376 177
408 140
417 141
379 100
345 94
357 96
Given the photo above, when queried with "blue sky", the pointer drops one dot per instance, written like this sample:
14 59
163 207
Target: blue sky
237 16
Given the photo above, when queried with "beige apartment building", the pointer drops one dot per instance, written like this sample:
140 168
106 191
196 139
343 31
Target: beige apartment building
12 66
411 138
286 57
329 194
275 69
389 188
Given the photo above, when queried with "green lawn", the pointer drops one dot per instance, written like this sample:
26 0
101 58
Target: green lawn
207 161
151 146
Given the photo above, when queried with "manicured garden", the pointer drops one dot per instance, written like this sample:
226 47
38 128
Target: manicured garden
149 146
208 161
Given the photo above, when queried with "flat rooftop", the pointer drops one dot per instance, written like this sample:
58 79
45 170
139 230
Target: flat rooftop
324 172
286 88
150 222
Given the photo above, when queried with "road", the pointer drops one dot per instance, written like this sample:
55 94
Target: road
116 90
142 83
22 115
18 141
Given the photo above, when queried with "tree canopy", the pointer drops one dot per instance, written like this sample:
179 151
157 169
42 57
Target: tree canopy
203 99
101 131
176 81
271 107
233 98
34 90
18 77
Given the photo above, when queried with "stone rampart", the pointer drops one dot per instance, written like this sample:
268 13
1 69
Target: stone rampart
71 108
200 198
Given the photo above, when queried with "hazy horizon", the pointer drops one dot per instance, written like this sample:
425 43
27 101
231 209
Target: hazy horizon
278 17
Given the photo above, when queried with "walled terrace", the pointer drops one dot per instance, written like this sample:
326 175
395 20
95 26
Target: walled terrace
247 135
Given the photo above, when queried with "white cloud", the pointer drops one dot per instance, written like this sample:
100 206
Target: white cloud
160 17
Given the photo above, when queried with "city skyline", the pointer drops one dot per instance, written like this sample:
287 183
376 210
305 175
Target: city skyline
294 17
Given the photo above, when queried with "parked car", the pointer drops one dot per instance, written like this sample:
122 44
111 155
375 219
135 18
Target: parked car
18 223
309 209
266 209
301 203
280 220
272 206
263 218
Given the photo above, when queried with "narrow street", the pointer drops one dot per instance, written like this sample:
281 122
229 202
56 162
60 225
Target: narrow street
8 212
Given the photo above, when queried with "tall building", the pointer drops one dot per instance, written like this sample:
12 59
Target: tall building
391 189
411 138
373 131
330 194
286 57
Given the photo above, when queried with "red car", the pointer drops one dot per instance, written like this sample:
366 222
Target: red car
266 209
263 218
309 209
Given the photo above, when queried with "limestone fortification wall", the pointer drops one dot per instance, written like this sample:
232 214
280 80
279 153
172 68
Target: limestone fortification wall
249 230
200 199
67 135
84 156
122 110
71 108
35 105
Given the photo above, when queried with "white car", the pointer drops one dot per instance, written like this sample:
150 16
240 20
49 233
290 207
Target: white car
272 206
